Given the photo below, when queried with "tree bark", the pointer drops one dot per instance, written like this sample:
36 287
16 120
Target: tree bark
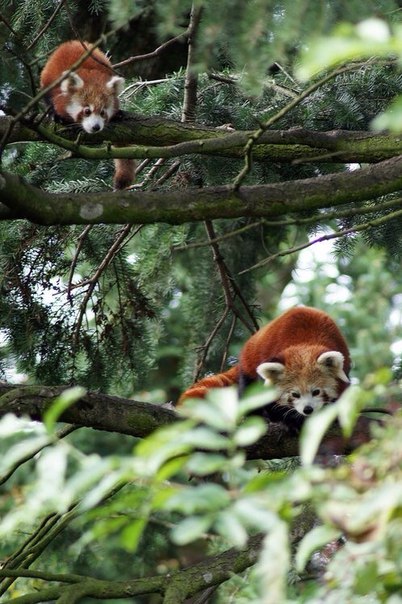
299 144
276 200
138 419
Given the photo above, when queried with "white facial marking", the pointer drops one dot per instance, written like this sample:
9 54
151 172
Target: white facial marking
109 111
307 401
74 108
93 123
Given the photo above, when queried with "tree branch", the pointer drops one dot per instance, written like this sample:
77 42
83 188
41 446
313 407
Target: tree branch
273 145
138 419
190 205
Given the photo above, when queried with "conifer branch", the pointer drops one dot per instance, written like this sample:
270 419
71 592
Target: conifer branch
93 281
357 228
255 136
47 25
185 205
229 284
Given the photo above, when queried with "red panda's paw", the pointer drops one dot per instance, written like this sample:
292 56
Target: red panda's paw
282 414
118 116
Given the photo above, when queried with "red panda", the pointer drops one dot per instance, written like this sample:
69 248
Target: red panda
88 96
302 353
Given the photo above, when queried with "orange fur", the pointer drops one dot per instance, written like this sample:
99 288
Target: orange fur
200 388
302 352
87 96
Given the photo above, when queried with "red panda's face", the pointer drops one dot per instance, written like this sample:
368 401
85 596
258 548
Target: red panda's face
91 102
305 384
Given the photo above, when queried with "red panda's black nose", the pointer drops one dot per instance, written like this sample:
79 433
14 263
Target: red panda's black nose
308 410
96 128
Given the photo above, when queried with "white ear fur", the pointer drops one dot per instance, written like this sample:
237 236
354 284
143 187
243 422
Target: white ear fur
334 359
116 83
270 372
73 80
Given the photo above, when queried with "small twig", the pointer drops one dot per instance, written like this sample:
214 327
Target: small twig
74 261
155 53
255 136
336 235
228 339
169 172
113 250
229 284
207 344
47 25
239 231
191 79
8 25
60 434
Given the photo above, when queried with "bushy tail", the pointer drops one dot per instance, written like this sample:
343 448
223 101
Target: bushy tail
200 388
124 173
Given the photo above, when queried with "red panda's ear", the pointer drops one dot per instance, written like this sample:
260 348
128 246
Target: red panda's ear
270 372
115 85
333 360
72 82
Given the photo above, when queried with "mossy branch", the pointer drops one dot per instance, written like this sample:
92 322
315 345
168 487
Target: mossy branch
158 137
23 200
138 419
179 585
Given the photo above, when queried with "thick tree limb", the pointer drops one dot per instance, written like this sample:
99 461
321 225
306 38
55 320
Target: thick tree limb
180 206
177 138
94 410
138 419
176 586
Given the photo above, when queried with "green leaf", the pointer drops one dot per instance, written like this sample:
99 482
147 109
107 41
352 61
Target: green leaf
369 38
218 410
257 396
312 541
391 119
60 404
202 464
367 578
132 533
231 528
205 438
191 529
208 497
250 431
274 563
20 451
262 480
349 406
171 468
313 431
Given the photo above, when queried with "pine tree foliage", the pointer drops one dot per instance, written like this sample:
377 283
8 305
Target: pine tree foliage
146 309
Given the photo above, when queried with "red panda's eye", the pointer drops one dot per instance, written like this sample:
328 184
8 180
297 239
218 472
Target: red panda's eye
102 113
316 392
87 111
295 395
